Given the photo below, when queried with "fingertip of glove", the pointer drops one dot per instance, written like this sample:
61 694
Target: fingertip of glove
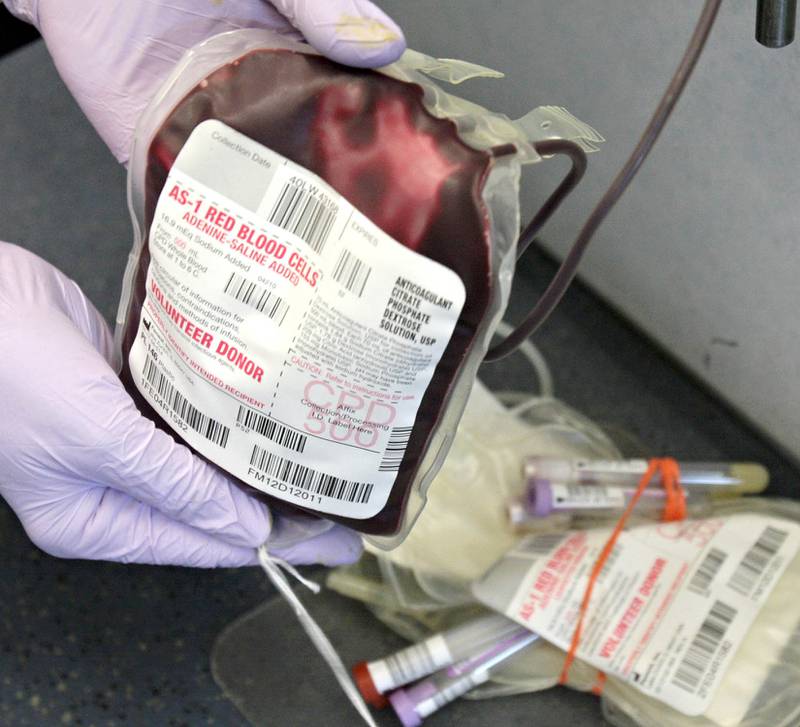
348 548
338 546
367 40
366 56
254 523
345 555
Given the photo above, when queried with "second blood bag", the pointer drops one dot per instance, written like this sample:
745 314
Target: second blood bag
321 257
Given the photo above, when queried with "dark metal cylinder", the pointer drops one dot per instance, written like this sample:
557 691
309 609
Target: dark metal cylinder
775 22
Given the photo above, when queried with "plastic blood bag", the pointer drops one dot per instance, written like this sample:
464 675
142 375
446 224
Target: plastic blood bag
320 262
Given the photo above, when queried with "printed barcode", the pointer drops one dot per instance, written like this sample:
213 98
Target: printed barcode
192 417
456 689
352 273
257 296
580 490
271 429
707 571
543 544
755 561
410 664
395 449
300 212
309 479
703 647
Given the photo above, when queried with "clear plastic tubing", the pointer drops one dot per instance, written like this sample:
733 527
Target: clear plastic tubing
544 498
720 479
414 704
441 650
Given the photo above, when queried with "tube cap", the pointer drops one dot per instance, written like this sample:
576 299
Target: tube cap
366 686
405 708
540 498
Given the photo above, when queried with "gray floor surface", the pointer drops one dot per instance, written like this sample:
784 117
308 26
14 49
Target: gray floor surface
89 643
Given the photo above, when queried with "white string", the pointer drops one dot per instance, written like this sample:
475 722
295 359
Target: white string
272 567
288 567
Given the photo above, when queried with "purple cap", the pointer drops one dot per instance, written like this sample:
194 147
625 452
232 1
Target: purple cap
539 500
405 701
404 708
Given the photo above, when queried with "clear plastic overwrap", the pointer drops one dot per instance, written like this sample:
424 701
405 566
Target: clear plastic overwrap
428 584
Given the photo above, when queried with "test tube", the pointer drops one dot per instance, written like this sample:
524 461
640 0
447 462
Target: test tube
544 498
719 479
375 678
413 704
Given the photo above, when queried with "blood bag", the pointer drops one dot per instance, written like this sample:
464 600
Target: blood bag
321 256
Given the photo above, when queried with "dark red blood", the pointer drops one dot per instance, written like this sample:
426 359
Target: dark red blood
370 137
395 157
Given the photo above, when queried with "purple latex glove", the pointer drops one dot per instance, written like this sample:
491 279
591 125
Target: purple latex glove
113 56
88 476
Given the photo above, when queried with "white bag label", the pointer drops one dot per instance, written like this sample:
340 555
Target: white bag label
285 336
670 608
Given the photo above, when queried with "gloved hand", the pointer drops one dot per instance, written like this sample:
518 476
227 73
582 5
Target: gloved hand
113 56
88 476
